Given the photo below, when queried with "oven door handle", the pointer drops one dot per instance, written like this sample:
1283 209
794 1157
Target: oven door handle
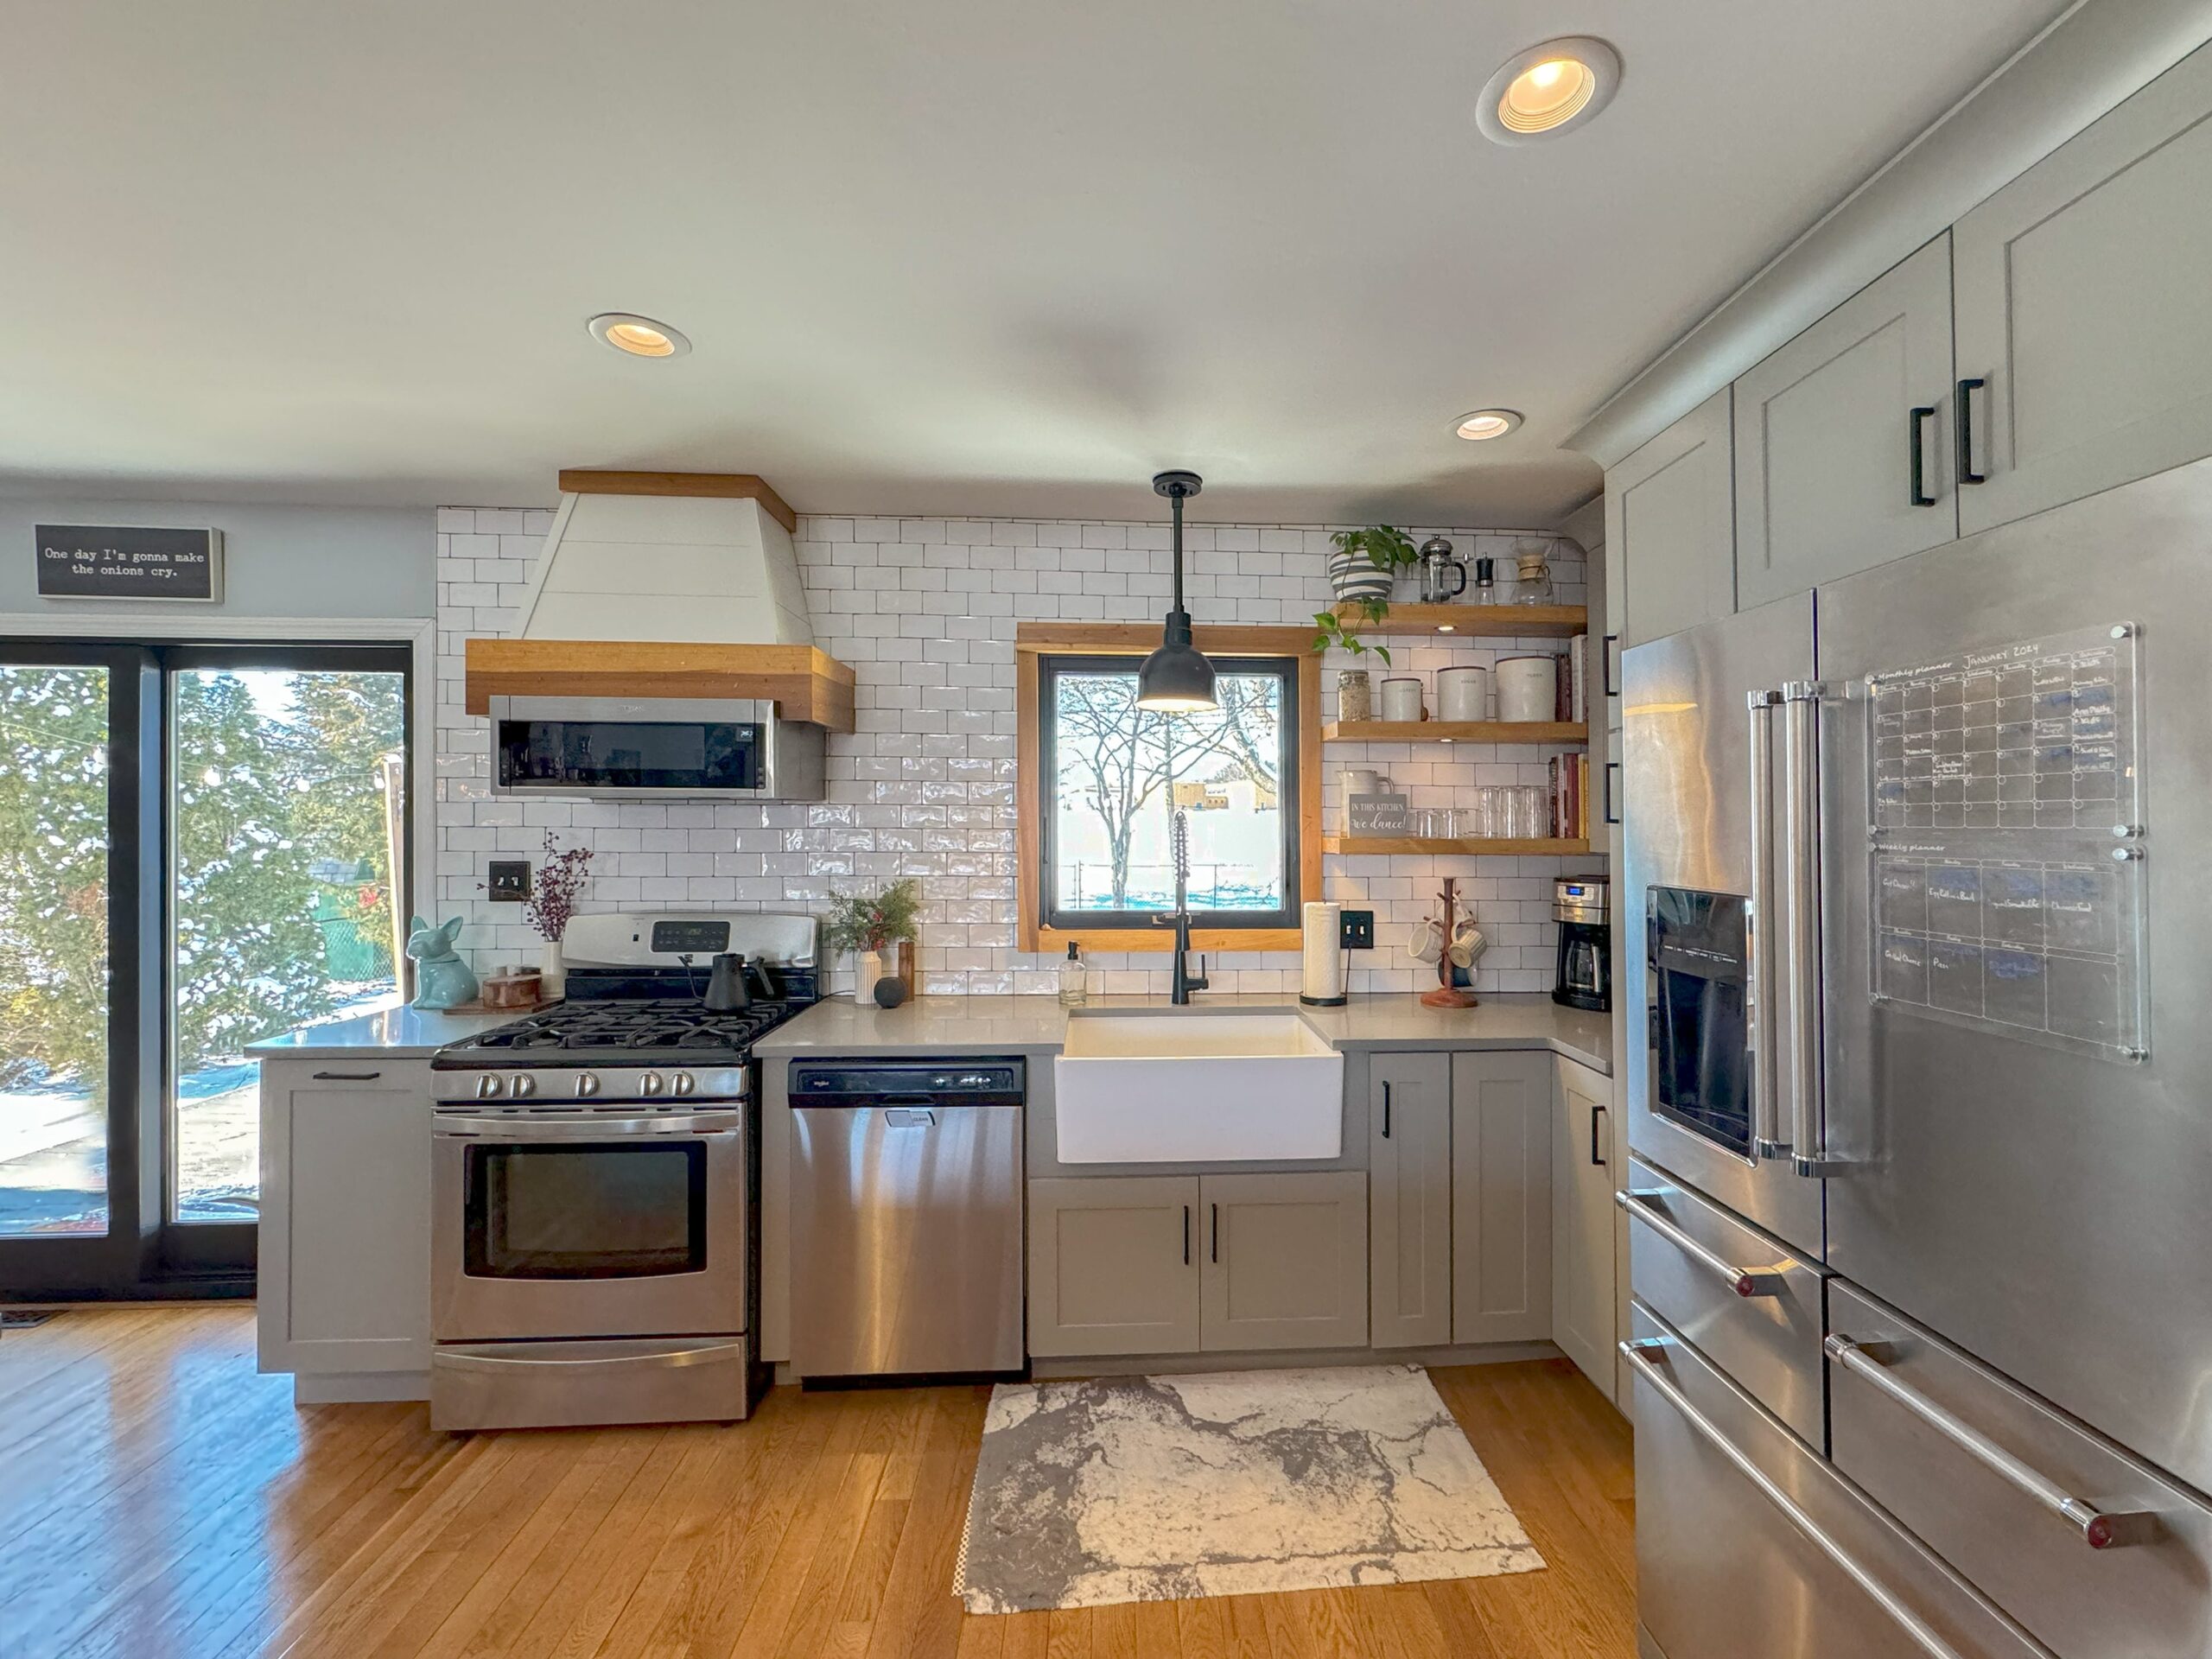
718 1353
696 1126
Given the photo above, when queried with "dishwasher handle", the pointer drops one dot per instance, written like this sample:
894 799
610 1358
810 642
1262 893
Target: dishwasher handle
909 1117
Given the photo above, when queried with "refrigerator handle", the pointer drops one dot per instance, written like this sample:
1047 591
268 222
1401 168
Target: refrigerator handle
1765 1010
1800 874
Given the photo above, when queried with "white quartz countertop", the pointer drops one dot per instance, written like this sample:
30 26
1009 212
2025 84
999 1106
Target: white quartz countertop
998 1025
401 1033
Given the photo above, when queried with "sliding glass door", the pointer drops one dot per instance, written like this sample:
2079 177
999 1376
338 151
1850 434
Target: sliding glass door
200 847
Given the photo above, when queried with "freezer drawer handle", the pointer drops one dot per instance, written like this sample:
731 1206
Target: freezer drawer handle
673 1359
1745 1281
2097 1527
1638 1353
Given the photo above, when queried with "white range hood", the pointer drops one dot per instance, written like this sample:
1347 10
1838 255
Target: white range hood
632 557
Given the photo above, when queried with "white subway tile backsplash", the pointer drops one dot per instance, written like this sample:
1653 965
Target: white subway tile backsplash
925 610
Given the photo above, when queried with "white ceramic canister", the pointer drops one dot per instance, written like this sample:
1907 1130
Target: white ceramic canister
1402 698
1462 694
1528 687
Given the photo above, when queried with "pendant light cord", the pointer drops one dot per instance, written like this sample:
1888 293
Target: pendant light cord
1175 501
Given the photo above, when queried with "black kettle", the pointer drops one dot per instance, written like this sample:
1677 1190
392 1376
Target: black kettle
726 991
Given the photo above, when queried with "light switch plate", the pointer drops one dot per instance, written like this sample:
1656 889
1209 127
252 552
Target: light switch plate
1355 930
508 880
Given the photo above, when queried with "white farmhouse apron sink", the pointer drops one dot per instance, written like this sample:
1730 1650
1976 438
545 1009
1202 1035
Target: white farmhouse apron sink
1194 1088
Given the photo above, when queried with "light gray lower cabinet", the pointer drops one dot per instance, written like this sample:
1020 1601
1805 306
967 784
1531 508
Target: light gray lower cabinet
345 1229
2081 306
1285 1264
1501 1195
1582 1223
1409 1200
1113 1266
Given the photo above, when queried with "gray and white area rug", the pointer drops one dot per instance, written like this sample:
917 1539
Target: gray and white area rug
1157 1488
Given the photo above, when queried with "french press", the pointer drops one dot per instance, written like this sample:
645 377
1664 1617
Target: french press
1443 578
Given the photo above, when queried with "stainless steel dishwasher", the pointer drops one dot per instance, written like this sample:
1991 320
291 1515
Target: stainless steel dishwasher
907 1243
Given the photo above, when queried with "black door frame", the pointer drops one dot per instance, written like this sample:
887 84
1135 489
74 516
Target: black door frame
143 1256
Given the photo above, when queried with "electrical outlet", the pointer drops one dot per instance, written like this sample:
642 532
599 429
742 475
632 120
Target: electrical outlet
509 880
1355 930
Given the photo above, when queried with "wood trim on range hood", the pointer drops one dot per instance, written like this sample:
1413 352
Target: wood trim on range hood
804 682
728 487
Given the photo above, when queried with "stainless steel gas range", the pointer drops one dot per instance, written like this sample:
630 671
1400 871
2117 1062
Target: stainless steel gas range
595 1182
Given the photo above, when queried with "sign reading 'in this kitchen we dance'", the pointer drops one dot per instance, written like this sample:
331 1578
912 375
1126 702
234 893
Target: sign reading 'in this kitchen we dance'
129 562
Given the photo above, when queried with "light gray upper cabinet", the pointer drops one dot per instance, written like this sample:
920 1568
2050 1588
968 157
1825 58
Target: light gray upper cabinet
1582 1223
1285 1262
1501 1195
345 1228
1113 1266
1835 471
1669 523
1409 1200
2081 304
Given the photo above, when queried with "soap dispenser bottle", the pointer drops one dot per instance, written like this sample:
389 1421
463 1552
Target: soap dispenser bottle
1074 989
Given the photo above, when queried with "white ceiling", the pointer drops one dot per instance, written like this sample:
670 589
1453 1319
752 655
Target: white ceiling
983 257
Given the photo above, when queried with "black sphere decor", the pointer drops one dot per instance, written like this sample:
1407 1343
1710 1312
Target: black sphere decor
890 991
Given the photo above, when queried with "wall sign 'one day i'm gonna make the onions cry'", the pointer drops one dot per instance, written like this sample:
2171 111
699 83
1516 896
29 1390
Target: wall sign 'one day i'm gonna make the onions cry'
138 562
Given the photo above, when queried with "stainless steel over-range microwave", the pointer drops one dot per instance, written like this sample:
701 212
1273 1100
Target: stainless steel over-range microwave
652 749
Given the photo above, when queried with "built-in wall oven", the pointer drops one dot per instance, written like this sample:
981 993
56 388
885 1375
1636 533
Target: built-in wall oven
590 1263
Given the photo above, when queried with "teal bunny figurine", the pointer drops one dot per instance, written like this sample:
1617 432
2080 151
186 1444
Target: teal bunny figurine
442 978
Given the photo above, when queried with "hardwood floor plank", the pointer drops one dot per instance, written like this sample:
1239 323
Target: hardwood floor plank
163 1502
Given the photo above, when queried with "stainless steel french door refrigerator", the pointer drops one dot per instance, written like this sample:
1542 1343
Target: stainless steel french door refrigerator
1918 908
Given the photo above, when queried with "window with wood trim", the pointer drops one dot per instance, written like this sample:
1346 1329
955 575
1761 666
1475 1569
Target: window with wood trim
1105 783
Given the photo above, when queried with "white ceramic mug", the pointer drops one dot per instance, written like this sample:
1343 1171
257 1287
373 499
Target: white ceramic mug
1402 698
1462 694
1528 687
1466 944
1427 940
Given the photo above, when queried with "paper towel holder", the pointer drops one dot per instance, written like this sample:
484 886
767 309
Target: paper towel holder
1327 917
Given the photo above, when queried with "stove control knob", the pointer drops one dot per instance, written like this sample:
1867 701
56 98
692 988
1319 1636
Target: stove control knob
587 1085
651 1084
684 1083
524 1086
487 1088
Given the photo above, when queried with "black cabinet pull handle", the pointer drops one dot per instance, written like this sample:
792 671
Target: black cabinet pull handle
1595 1112
1217 1230
1386 1111
1915 429
348 1077
1967 474
1611 668
1186 1234
1613 808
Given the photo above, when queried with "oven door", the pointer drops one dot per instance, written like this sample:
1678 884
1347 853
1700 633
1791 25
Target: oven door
607 1223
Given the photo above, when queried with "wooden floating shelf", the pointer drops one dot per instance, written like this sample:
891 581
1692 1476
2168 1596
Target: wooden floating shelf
1481 621
1541 846
1455 731
804 684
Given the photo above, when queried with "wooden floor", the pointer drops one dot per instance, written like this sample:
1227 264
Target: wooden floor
158 1498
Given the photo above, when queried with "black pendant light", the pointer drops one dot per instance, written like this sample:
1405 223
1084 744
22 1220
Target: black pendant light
1177 679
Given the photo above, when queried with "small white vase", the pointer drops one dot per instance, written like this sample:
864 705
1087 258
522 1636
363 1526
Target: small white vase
552 971
867 968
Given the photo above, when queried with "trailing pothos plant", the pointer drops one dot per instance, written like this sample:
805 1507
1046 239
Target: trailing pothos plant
1388 549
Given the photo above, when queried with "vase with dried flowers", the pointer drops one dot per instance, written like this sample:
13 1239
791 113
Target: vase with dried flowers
561 877
869 924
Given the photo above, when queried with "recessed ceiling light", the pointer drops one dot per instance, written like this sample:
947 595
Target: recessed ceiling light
639 336
1548 89
1487 423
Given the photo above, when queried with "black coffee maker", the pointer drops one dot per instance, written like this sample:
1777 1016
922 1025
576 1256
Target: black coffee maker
1580 904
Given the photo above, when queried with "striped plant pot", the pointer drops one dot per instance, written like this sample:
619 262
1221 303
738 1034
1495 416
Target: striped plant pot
1354 575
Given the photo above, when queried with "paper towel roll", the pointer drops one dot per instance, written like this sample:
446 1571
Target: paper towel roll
1322 925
